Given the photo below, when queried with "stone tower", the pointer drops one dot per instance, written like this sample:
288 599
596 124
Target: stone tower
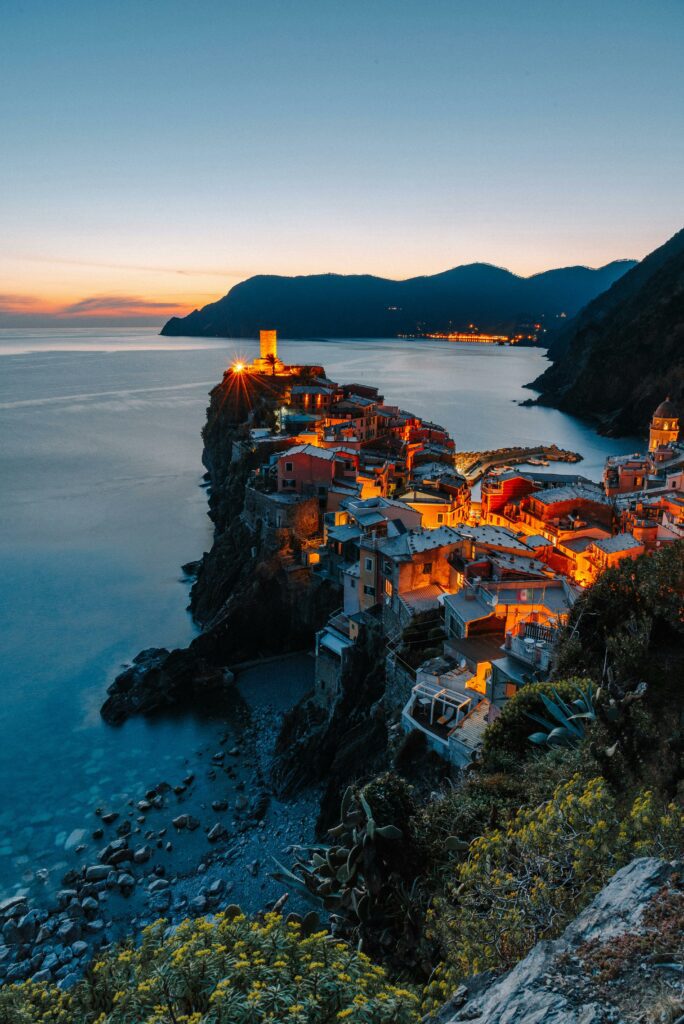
268 341
664 426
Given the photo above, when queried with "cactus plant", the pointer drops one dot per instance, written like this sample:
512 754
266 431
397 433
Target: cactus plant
367 878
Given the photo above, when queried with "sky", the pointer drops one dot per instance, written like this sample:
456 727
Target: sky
153 153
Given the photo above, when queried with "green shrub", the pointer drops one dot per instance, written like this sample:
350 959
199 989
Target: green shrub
488 799
524 882
225 970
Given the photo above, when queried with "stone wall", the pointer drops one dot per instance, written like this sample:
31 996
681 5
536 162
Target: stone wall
399 683
272 513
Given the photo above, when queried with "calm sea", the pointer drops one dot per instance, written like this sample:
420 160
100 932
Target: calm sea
101 504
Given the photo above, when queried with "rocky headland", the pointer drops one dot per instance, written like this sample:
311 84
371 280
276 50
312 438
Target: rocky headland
246 598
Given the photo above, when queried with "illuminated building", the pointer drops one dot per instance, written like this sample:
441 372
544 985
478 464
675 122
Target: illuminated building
268 361
664 426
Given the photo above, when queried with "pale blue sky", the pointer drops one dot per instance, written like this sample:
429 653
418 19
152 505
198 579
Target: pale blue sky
160 151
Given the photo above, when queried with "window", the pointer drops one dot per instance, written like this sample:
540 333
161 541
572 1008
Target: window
427 568
388 587
369 591
289 483
352 583
387 568
288 467
440 517
369 564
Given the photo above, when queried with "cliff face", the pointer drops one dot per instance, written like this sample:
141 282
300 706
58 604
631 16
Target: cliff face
601 969
624 353
246 597
334 305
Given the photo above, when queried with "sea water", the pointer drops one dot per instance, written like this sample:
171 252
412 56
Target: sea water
100 505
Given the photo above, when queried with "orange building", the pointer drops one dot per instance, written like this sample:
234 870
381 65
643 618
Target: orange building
664 426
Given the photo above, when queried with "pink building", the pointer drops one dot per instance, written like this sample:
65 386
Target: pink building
309 469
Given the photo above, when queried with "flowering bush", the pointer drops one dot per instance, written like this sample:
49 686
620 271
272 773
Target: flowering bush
225 970
523 883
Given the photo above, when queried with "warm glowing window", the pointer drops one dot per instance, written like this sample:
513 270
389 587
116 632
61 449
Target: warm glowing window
388 588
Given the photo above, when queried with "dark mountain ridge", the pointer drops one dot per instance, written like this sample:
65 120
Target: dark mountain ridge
624 352
361 305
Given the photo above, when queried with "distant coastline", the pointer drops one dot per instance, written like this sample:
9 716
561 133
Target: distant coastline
476 297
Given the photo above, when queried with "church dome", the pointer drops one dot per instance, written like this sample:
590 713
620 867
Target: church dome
665 411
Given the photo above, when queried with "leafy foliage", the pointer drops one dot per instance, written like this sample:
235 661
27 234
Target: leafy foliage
524 882
629 620
227 970
627 634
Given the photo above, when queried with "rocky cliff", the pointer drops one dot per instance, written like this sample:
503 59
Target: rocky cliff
245 598
624 353
619 961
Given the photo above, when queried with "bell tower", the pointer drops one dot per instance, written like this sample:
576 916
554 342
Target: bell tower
664 426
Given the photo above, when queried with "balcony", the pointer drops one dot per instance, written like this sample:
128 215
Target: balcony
534 645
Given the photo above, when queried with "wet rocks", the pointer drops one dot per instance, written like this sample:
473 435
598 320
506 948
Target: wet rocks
216 832
185 821
74 839
96 873
14 906
157 885
161 679
69 931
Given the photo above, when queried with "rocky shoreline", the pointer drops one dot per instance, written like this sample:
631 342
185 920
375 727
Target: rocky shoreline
183 848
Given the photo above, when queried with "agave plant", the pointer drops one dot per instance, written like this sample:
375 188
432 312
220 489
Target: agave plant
566 726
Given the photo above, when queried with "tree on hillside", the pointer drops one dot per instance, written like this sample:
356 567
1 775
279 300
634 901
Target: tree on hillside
626 633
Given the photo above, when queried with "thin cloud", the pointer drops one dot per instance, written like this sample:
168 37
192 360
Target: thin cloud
144 267
11 303
116 304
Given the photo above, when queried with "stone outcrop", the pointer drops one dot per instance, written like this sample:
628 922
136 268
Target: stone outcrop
555 984
159 679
